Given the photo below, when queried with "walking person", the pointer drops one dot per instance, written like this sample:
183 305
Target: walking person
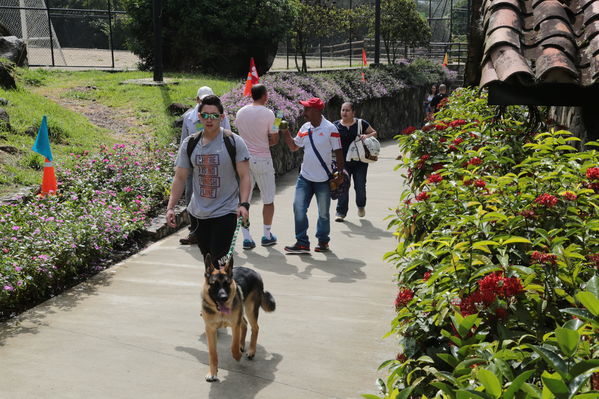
349 127
319 138
192 124
256 125
214 157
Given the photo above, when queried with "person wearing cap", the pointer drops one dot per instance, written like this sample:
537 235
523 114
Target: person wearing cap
318 135
191 124
256 125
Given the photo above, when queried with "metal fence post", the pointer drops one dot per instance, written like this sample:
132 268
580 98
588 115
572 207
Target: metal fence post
110 33
50 31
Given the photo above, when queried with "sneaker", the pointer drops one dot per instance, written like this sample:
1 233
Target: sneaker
361 212
249 244
322 247
189 240
267 242
340 218
298 249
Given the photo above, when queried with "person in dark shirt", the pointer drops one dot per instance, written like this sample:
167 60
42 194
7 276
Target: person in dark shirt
438 97
348 129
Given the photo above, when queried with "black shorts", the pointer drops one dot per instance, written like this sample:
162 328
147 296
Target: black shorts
215 235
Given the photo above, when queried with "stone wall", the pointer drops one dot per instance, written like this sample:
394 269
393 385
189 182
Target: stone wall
388 115
582 122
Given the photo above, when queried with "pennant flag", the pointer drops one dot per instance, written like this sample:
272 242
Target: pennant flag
252 79
445 60
42 147
42 141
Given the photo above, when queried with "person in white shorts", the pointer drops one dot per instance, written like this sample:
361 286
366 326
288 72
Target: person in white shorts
192 124
256 125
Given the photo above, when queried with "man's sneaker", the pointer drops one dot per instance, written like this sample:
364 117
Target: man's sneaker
322 247
339 218
189 240
249 244
361 212
298 249
267 242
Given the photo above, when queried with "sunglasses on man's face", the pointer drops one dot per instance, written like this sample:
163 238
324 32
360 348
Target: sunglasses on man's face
206 115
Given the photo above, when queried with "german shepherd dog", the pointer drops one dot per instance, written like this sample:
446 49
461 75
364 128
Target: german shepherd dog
232 297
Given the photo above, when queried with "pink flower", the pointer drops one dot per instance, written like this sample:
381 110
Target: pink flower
15 228
8 288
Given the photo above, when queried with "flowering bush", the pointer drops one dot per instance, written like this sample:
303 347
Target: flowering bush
47 242
497 250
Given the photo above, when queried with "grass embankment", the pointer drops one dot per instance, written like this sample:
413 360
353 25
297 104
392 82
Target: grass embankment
86 109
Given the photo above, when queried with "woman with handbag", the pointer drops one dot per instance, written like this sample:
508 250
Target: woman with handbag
353 132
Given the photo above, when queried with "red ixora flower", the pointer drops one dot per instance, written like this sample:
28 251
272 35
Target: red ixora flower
475 161
409 130
458 141
435 178
501 313
528 213
452 148
468 182
440 126
480 183
403 297
569 195
457 122
545 258
428 127
593 173
594 258
422 196
437 166
442 140
426 276
425 157
547 200
491 287
401 357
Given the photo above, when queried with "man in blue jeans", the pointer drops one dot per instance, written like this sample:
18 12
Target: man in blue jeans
318 135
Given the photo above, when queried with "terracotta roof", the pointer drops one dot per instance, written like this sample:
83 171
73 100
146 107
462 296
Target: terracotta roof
531 42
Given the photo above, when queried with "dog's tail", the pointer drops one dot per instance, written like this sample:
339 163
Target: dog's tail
268 302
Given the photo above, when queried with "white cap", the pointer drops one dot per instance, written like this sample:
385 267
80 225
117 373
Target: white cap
204 91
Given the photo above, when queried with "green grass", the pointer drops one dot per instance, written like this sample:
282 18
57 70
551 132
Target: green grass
140 112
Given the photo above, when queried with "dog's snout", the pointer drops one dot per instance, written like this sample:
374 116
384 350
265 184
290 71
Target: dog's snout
222 294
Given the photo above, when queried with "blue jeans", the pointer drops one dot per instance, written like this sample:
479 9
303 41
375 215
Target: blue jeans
304 190
356 170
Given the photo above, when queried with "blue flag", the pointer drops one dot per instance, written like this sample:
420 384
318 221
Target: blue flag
42 142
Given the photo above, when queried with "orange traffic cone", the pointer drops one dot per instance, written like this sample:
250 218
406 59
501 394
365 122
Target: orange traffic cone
49 185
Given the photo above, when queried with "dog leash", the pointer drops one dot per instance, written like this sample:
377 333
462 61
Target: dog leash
235 234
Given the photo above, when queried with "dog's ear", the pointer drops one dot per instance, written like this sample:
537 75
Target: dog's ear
228 265
209 265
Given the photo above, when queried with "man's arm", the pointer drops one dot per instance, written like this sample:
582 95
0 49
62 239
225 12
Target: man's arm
289 140
176 191
243 170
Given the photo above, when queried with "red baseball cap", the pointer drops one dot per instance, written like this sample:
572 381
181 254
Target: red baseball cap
314 102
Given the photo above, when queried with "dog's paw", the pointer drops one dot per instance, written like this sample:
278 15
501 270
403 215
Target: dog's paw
211 378
236 355
241 349
250 356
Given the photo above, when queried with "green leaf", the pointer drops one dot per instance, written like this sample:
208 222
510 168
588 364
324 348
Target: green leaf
471 394
552 359
591 395
370 396
573 324
579 381
556 385
590 301
584 366
516 239
516 384
494 216
490 382
567 340
592 286
447 358
445 388
531 390
405 393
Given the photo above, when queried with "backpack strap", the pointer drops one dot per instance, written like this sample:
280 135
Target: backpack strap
229 140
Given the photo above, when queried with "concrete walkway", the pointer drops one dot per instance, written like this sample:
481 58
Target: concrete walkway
135 331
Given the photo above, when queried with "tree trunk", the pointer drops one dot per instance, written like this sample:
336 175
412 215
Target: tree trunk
473 68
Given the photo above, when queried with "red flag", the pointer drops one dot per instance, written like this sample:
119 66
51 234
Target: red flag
252 79
364 60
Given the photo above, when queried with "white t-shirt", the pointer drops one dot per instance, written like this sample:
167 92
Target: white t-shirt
255 123
326 139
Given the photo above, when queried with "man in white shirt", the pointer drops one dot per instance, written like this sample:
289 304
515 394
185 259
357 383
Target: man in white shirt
319 138
256 125
192 124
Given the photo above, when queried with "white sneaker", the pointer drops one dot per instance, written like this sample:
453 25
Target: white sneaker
339 218
361 212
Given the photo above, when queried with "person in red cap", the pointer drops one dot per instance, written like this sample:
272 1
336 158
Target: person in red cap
319 138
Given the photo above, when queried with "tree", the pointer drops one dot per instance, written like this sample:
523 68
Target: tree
402 25
211 36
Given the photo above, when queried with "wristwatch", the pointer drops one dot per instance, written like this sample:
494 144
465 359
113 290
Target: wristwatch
246 205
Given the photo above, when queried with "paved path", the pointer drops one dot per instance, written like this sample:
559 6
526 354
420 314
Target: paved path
134 331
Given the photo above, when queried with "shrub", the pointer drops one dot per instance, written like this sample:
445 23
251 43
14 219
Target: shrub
497 244
48 243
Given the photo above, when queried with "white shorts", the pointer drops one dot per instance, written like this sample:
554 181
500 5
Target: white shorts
262 173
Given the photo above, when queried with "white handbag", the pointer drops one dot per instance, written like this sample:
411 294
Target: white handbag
366 150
